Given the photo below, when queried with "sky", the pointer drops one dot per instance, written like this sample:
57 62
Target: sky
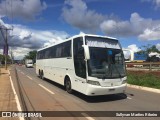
39 23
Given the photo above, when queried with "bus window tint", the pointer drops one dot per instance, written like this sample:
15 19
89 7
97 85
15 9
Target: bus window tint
79 63
58 51
66 51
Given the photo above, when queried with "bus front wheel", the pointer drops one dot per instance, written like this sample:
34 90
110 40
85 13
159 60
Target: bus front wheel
68 85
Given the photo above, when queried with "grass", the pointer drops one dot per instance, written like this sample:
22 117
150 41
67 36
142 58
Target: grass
144 79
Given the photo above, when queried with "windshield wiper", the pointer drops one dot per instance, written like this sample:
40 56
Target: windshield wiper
116 68
118 71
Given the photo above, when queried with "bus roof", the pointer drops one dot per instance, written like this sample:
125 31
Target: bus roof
75 36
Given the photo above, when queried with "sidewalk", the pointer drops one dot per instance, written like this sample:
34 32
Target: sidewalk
7 98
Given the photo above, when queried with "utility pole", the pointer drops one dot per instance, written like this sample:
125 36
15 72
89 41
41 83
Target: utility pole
6 43
12 56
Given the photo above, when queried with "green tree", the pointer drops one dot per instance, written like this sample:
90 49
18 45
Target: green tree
2 58
146 49
31 55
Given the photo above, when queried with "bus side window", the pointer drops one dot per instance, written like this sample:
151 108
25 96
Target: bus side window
66 51
53 52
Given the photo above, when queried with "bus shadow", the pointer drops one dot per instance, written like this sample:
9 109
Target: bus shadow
91 99
54 83
100 98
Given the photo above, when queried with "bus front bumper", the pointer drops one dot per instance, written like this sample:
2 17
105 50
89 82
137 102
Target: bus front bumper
93 90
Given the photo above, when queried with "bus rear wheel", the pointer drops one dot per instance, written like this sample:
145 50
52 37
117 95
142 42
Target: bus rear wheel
39 74
68 85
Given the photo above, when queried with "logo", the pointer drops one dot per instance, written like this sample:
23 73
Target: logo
6 114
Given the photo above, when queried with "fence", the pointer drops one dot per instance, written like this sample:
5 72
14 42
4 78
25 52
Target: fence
143 66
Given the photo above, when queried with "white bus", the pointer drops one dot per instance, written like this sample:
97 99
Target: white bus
90 64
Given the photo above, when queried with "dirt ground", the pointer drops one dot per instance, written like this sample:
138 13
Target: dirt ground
7 97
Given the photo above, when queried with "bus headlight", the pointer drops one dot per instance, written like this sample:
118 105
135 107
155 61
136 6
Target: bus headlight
124 81
93 82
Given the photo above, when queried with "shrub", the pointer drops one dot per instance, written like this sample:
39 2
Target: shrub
144 79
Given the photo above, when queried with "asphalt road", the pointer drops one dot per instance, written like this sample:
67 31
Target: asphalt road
45 95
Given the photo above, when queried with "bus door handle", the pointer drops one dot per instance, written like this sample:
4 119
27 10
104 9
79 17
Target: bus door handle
81 81
68 57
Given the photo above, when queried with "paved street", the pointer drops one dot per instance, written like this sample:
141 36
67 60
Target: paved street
45 95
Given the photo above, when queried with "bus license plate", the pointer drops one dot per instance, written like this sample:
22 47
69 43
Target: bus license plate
111 90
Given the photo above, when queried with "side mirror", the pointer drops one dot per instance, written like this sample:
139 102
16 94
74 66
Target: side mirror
86 52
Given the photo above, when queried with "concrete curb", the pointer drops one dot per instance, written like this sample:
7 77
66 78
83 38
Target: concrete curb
144 88
16 96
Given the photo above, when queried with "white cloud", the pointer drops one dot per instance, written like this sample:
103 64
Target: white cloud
24 9
20 52
22 39
155 2
134 48
112 27
158 3
76 13
158 46
34 39
150 34
136 26
2 23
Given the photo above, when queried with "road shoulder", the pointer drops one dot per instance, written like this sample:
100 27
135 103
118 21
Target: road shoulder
144 88
7 96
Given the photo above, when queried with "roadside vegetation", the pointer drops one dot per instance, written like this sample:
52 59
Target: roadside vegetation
144 78
31 55
2 59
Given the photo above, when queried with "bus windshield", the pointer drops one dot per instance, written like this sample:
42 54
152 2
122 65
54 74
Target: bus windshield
106 58
106 63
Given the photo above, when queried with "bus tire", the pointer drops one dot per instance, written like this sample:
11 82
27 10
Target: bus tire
68 85
42 75
39 74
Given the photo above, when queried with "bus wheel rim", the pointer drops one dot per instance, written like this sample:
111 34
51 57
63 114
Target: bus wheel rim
68 85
